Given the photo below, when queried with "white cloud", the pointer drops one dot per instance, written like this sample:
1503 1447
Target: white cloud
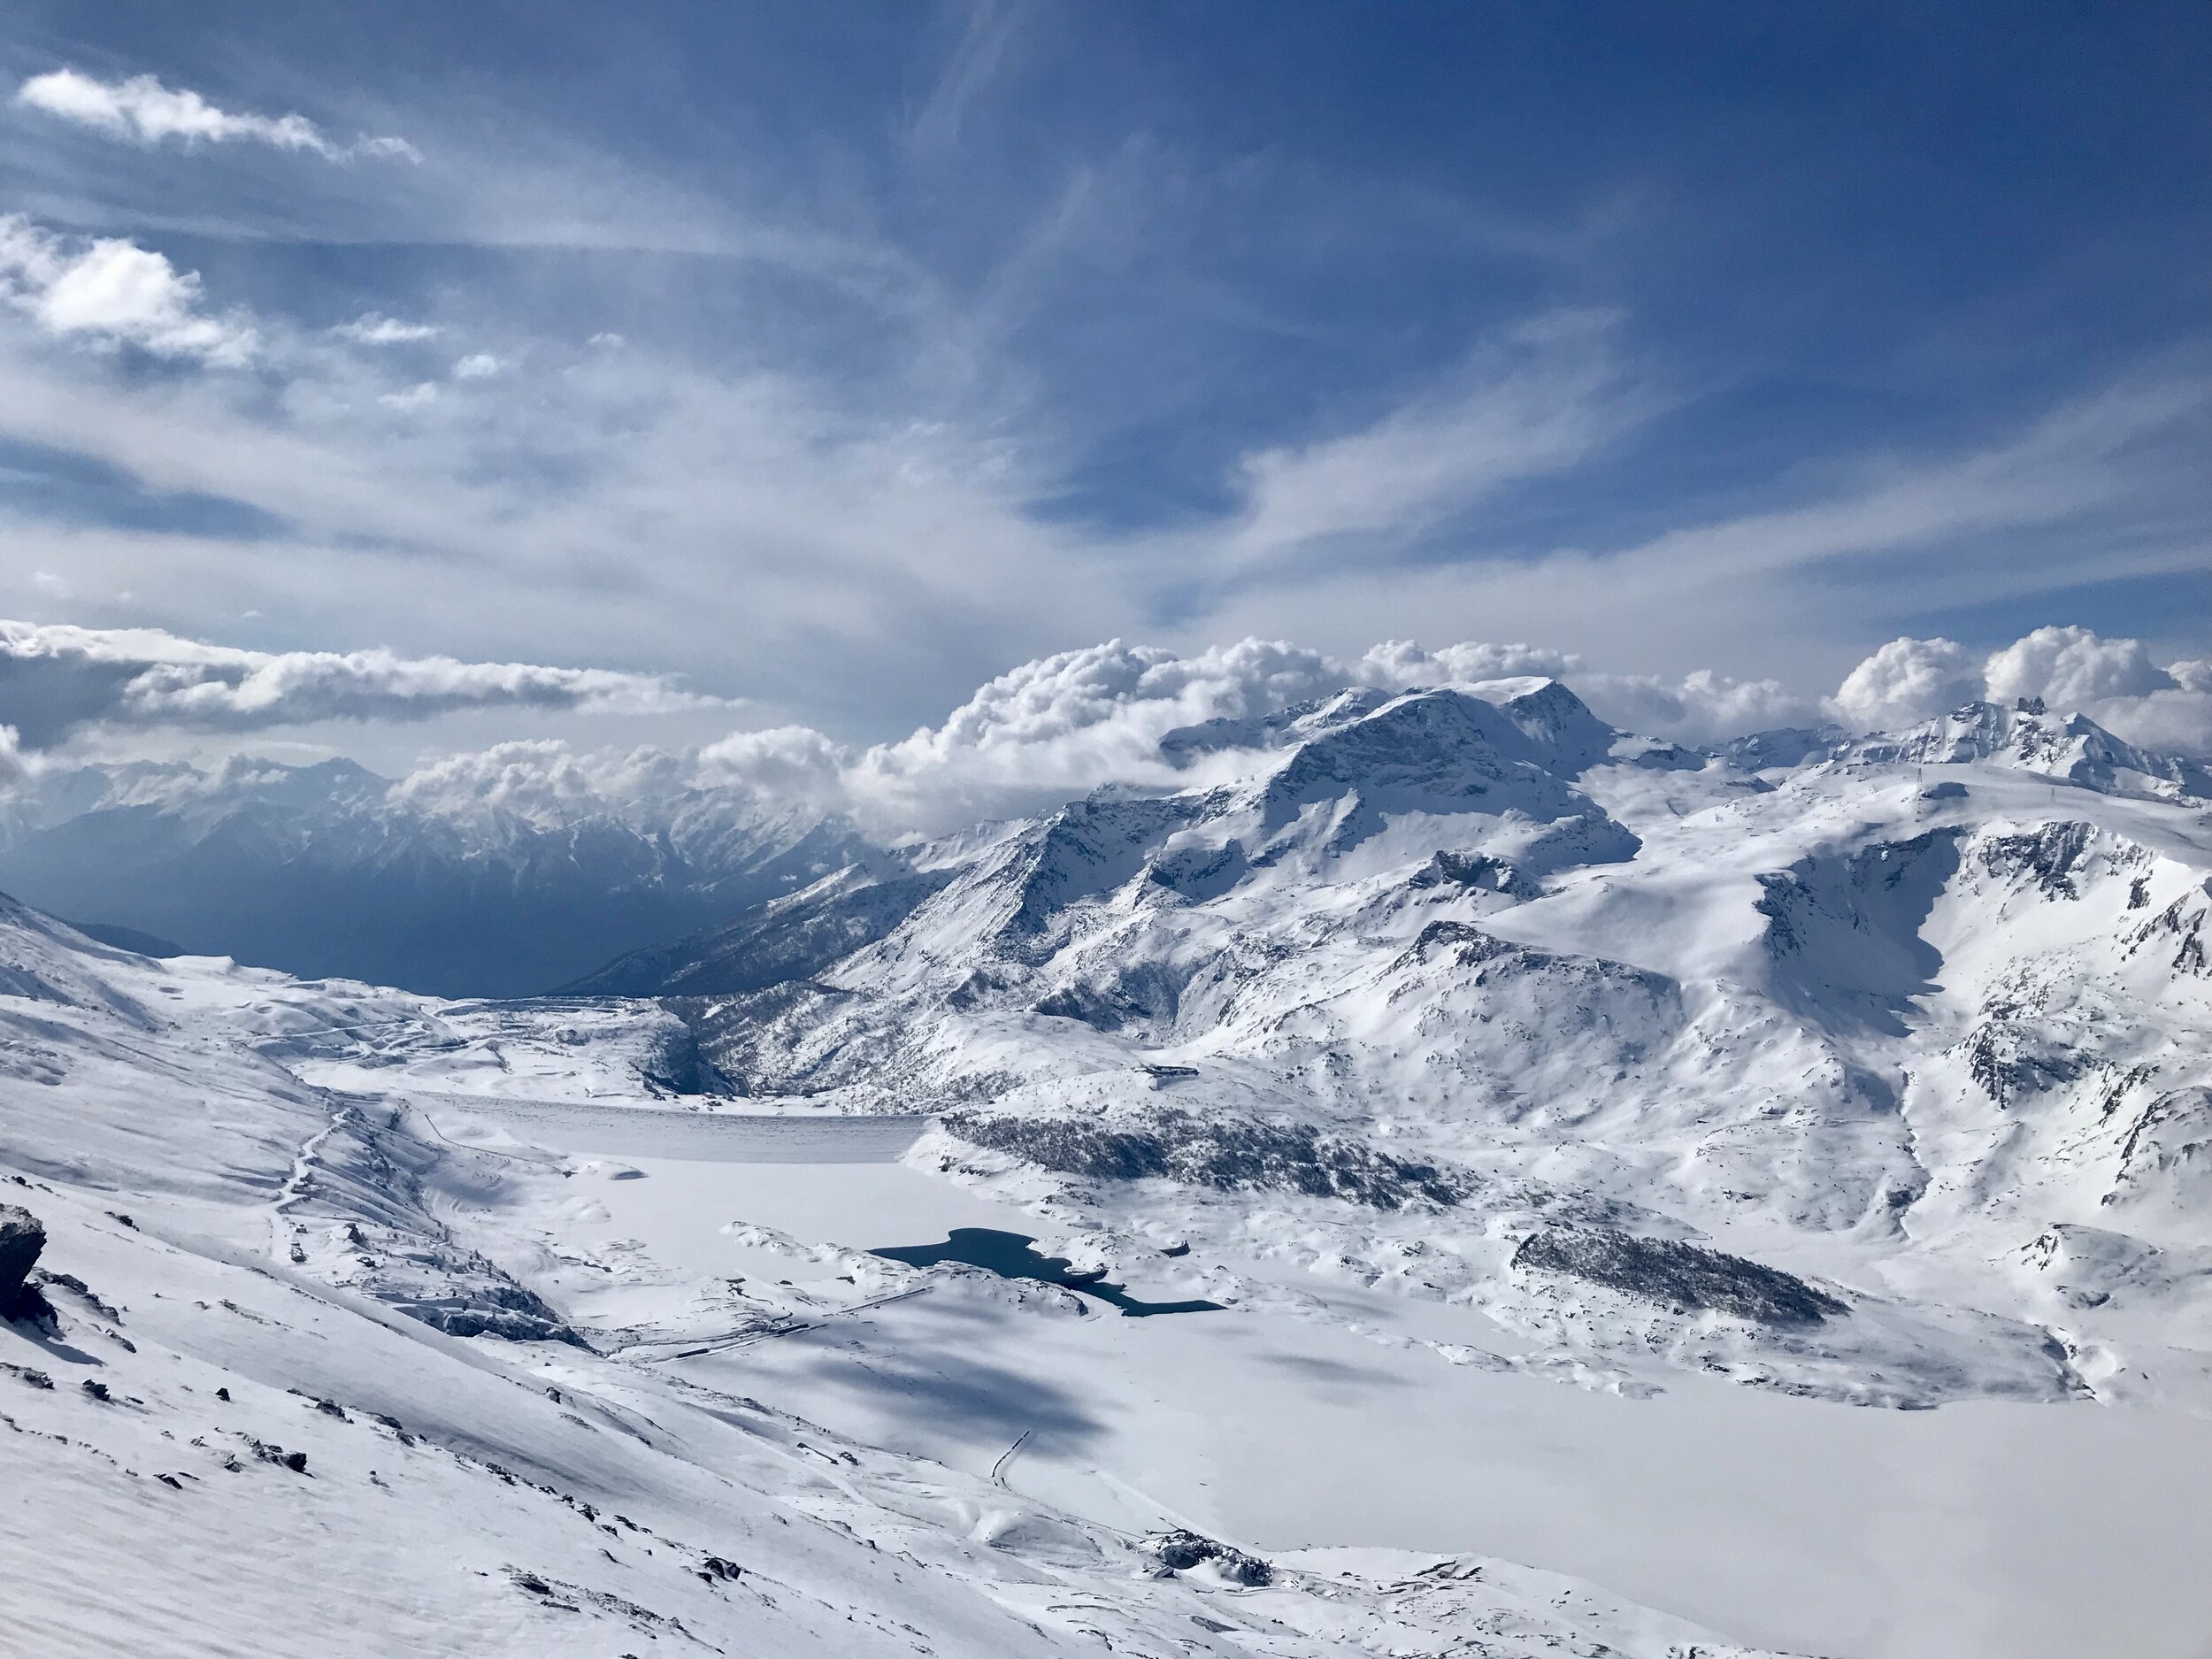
857 563
989 27
1054 729
140 110
1058 727
543 779
373 328
1395 664
57 680
1534 403
110 291
414 397
476 366
1062 725
1701 707
2179 721
2072 666
1773 590
2073 670
1907 681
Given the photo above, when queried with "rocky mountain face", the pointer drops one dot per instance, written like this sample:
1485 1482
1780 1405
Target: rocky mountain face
328 871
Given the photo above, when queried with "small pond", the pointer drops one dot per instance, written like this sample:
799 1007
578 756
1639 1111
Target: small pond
1010 1256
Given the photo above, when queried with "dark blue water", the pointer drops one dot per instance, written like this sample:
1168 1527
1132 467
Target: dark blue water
1009 1255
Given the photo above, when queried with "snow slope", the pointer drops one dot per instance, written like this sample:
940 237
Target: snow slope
246 1269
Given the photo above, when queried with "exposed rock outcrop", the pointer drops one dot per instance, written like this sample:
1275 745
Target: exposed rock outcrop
22 1236
1679 1275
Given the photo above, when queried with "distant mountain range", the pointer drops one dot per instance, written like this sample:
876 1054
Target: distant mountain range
327 871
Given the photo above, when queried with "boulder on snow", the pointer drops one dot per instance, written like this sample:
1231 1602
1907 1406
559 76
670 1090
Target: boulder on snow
22 1236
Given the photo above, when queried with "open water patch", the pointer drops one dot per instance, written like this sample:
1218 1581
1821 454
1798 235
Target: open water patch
1014 1255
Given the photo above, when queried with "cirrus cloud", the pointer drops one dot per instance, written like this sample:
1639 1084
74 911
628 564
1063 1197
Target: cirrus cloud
140 110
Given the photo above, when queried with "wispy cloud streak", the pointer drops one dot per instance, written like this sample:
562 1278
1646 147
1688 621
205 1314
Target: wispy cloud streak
139 110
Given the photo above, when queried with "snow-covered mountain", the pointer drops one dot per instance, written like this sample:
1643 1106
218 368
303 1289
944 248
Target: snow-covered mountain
331 871
1553 1147
1903 1005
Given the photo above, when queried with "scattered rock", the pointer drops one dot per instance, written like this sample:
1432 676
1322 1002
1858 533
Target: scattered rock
296 1462
45 1278
98 1390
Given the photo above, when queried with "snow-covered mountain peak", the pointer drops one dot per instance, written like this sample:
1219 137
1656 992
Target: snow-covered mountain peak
2071 748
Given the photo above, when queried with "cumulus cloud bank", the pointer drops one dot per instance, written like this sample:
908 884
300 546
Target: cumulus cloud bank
1065 724
109 291
57 680
2113 681
142 110
1038 735
1062 725
1905 681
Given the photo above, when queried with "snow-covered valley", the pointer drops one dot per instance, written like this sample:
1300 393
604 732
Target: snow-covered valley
1654 1202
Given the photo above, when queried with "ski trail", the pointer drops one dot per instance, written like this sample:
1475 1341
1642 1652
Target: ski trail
1006 1457
296 1182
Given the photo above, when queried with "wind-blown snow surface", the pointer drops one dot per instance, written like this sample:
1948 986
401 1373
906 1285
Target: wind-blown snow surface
1604 1154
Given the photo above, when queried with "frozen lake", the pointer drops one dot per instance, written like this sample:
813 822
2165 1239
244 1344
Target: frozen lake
2007 1530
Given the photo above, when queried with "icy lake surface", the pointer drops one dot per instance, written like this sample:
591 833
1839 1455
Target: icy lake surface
1980 1528
1013 1255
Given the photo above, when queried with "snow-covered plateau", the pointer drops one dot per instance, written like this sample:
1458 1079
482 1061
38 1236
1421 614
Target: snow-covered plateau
1778 1193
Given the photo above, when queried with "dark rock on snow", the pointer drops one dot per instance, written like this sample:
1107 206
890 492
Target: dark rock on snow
1221 1152
1180 1550
1680 1276
22 1236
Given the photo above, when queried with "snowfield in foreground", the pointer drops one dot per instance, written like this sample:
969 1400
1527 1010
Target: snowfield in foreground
1782 1197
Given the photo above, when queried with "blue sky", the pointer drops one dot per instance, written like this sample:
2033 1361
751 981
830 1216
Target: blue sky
837 359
